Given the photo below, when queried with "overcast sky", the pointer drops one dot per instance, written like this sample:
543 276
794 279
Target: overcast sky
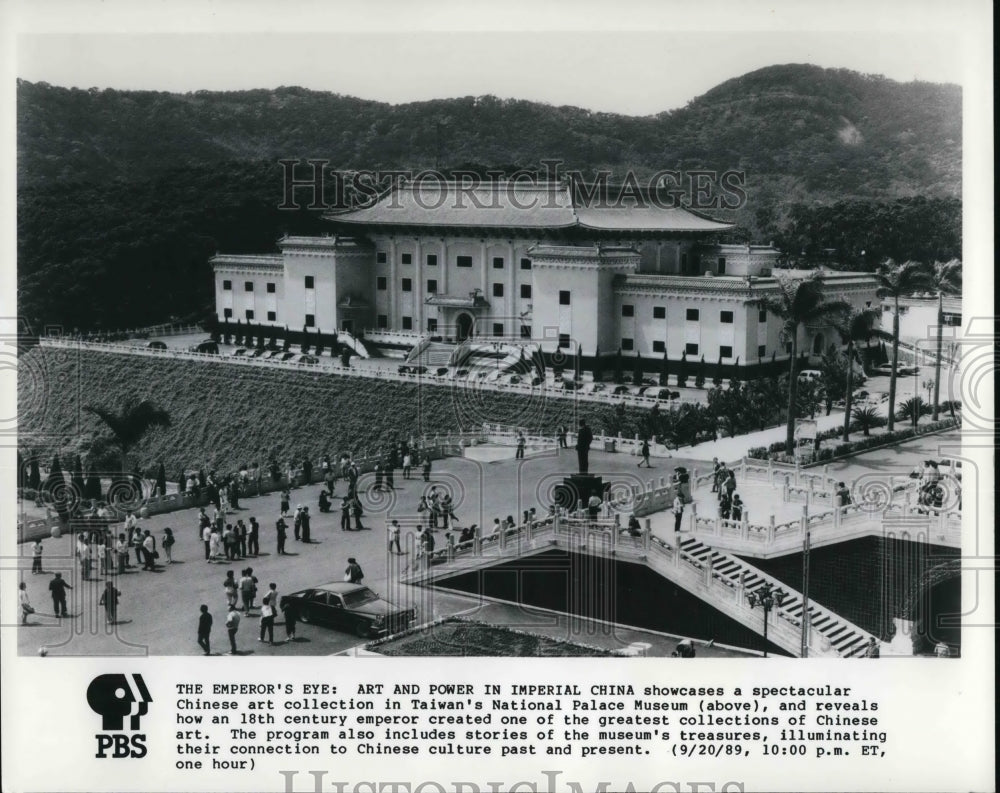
636 64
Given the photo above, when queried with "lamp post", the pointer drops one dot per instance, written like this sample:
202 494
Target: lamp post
767 597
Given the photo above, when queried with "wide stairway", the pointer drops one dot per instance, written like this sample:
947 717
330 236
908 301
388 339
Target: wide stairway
846 638
434 355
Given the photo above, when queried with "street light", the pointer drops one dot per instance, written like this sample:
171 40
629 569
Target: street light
767 597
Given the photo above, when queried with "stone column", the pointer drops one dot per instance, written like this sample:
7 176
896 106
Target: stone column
418 288
514 301
394 321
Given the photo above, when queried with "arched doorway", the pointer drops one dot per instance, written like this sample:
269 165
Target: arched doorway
463 326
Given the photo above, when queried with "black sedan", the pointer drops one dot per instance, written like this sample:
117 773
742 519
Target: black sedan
349 607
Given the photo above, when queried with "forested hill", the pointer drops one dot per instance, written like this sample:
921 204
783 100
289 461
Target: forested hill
132 191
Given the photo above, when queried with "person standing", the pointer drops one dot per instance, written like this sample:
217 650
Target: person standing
378 477
109 599
230 588
253 538
214 545
26 608
594 507
297 523
121 551
205 630
291 617
390 477
843 495
248 589
241 538
83 555
358 512
267 620
644 452
168 544
345 514
583 440
203 522
229 541
149 551
282 529
715 474
232 626
736 510
58 587
306 521
407 465
730 484
286 500
519 454
427 468
394 537
354 574
36 557
678 511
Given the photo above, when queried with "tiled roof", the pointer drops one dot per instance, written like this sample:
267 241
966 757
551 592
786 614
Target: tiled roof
545 205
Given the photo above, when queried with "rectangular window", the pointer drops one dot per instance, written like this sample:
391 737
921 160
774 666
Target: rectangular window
382 321
498 262
726 351
463 261
380 257
249 313
563 341
762 315
691 349
227 313
271 288
722 265
525 264
628 344
628 310
526 331
726 317
691 315
659 346
498 329
227 285
407 323
381 283
432 324
407 284
563 298
497 290
272 316
432 286
526 291
310 282
310 320
248 286
659 312
432 260
761 351
407 258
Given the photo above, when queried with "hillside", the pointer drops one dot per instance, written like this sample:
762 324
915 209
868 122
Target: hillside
131 192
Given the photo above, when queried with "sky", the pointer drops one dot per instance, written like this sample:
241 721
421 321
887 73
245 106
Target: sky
630 63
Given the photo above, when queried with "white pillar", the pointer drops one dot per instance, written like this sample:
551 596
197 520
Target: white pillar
514 298
394 321
418 288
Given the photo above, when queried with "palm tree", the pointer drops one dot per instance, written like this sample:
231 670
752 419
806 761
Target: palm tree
866 416
129 425
895 281
857 326
799 302
946 279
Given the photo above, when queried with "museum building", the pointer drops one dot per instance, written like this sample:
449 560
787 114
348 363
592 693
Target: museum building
548 262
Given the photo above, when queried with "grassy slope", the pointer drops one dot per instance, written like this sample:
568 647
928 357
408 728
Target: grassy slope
224 414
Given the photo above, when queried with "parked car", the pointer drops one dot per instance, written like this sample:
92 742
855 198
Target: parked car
620 389
571 385
257 353
810 374
157 345
350 607
513 379
209 347
537 380
240 351
901 370
307 359
287 356
441 371
461 373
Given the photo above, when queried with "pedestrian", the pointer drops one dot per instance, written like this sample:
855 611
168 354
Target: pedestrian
390 477
584 437
394 537
407 465
715 474
286 500
644 452
427 545
83 555
121 551
730 483
872 651
253 538
307 471
721 475
168 544
291 617
215 545
843 495
634 527
232 626
324 501
345 514
282 529
58 587
267 620
433 508
149 551
26 608
725 505
519 454
272 592
684 483
427 469
241 538
203 521
109 599
358 512
736 510
36 557
594 504
229 541
678 511
378 477
447 511
230 587
353 573
99 554
306 522
297 523
136 539
205 629
248 589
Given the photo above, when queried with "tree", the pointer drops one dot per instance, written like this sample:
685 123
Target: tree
699 378
664 369
717 377
319 344
161 481
93 488
128 426
866 417
911 410
576 364
79 485
637 372
238 333
181 482
55 489
345 356
34 475
619 374
946 279
799 302
895 281
858 325
305 339
682 371
286 343
597 372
